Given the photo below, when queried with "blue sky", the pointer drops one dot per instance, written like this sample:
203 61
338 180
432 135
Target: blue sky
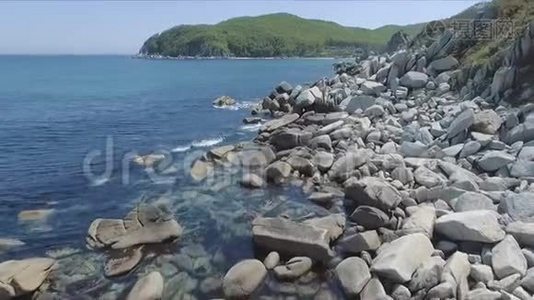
120 27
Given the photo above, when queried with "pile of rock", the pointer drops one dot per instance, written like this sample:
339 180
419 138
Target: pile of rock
124 238
438 188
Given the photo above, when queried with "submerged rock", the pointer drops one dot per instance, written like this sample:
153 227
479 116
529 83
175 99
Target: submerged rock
144 225
21 277
149 287
243 279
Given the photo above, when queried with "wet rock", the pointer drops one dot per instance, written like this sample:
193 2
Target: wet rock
285 236
34 215
7 244
324 199
149 287
21 277
369 217
507 258
252 181
353 274
477 226
224 101
372 191
278 171
271 260
128 259
243 279
145 224
304 166
200 170
294 268
148 161
487 121
399 259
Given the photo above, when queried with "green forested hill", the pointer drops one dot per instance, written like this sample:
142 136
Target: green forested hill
269 35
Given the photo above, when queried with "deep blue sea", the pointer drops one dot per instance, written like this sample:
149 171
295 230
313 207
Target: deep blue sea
58 111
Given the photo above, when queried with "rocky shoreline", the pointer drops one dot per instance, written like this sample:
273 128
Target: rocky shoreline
426 187
429 185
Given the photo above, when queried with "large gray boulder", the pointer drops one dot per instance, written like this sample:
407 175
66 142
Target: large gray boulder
360 241
414 80
428 274
369 217
487 121
475 226
307 97
494 160
427 178
274 124
519 207
443 64
293 268
372 88
353 103
288 237
472 201
343 167
290 138
461 123
399 259
353 274
522 232
372 191
422 220
278 171
507 258
243 278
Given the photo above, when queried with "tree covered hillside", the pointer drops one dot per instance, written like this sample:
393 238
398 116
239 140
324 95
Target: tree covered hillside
269 35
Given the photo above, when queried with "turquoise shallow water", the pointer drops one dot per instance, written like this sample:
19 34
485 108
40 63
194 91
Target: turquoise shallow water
57 110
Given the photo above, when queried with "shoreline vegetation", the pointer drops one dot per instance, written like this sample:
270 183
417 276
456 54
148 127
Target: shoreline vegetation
160 57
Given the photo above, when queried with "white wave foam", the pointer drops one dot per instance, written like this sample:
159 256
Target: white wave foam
99 181
251 127
207 142
238 105
182 148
